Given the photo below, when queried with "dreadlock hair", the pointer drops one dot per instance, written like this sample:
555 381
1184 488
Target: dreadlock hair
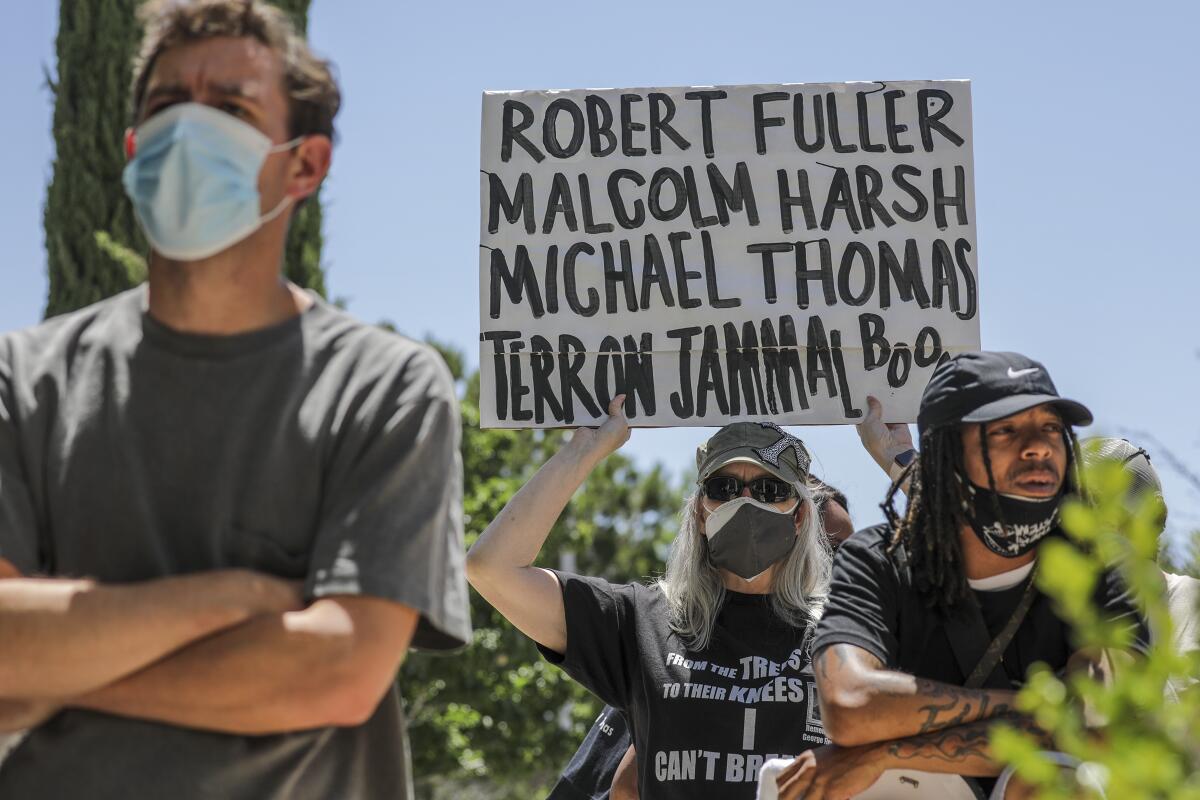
931 523
930 526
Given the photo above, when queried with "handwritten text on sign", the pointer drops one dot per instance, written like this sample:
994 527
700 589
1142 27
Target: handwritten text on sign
724 253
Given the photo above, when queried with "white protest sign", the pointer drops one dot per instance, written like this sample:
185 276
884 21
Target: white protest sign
723 253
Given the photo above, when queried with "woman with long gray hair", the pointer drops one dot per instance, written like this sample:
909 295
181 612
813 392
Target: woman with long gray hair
710 663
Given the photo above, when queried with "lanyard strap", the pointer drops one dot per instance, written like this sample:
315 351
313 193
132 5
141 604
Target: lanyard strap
996 649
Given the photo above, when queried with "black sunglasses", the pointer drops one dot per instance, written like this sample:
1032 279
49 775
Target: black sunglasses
723 488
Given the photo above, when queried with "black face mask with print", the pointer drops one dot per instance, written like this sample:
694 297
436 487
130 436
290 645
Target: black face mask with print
1023 521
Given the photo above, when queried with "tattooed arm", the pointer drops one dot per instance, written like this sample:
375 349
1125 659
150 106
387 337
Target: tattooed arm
836 772
962 750
862 703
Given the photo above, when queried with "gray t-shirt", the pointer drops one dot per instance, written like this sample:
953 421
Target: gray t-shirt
320 449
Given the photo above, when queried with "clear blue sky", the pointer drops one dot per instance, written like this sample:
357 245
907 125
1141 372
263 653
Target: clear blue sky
1086 165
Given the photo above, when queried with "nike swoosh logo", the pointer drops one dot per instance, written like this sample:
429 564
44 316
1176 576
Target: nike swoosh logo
1016 373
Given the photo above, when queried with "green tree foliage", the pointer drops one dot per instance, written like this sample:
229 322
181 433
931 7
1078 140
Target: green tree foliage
93 243
96 39
297 10
497 721
302 256
1147 744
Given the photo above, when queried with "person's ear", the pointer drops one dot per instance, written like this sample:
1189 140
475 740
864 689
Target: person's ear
309 166
130 144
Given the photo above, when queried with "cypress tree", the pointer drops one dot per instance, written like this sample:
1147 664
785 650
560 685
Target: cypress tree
93 244
87 216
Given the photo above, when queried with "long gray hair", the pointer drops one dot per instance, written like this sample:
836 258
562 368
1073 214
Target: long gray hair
695 592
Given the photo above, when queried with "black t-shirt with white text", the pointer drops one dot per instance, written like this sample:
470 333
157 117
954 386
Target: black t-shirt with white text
703 721
873 605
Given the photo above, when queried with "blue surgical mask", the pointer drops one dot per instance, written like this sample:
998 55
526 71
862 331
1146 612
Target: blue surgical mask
194 180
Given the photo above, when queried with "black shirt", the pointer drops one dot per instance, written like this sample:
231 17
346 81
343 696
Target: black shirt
590 773
873 605
703 721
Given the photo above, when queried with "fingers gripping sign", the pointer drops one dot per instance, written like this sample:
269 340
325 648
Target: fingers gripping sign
612 433
884 440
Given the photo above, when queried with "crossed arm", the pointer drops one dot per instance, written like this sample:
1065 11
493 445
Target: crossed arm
880 719
863 703
231 651
836 772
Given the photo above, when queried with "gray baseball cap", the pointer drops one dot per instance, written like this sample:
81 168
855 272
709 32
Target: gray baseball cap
1136 463
1132 458
761 443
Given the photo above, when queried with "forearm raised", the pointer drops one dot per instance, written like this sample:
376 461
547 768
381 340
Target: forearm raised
499 564
516 535
66 637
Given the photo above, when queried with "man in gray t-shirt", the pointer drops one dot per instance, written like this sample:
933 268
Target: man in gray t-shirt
227 508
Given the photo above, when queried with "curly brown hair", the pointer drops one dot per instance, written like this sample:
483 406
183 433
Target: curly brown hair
312 91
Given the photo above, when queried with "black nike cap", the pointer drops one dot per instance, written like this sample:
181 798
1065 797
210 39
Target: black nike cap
986 386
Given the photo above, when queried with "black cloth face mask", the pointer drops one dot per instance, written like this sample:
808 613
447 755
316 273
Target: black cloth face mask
746 537
1026 521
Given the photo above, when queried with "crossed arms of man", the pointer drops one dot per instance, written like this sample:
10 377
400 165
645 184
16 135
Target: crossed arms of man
229 650
234 650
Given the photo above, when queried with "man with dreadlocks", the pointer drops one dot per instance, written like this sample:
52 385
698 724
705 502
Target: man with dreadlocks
933 617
